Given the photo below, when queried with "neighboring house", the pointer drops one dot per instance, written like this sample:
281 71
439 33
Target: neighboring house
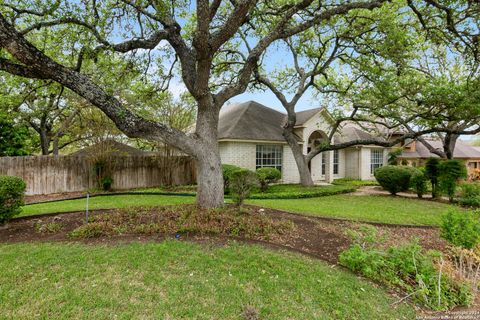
250 136
415 153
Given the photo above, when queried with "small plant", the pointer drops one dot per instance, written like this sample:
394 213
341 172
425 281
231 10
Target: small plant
461 228
412 269
266 176
394 179
470 194
450 172
51 227
106 183
466 265
418 181
12 190
228 170
241 184
92 230
250 313
432 172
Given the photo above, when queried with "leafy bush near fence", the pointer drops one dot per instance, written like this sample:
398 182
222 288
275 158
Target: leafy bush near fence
410 268
394 179
470 194
12 190
461 228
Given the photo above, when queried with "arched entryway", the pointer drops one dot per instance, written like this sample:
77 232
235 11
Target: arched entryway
319 166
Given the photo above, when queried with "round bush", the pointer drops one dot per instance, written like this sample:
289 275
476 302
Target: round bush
267 175
394 179
12 190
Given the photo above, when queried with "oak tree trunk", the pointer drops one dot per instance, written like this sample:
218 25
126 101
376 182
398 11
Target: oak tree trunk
210 193
300 159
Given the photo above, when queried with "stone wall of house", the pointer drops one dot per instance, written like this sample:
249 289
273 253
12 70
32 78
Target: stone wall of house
241 154
289 168
352 163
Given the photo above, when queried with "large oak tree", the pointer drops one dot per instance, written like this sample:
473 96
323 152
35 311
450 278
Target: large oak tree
200 36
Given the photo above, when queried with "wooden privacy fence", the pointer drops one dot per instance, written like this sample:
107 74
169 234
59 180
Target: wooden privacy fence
57 174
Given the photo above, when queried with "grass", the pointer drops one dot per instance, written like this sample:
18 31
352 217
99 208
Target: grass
177 280
105 202
382 209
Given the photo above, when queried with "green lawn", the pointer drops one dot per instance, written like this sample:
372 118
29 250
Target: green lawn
177 280
105 202
383 209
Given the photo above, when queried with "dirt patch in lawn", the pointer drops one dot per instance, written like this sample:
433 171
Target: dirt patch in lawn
318 237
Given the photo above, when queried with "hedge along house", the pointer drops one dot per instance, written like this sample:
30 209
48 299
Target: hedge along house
250 136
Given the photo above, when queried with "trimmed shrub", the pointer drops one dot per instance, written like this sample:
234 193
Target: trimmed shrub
12 190
432 171
228 170
418 182
470 194
450 172
461 228
394 179
241 184
266 176
354 182
295 191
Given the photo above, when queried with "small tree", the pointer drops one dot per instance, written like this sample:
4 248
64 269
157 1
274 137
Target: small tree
393 156
241 184
418 181
432 171
12 190
450 172
227 171
266 176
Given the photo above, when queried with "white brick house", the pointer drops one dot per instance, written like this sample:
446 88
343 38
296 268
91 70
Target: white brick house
250 136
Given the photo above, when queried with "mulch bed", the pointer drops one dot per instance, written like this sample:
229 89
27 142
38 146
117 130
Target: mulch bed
322 238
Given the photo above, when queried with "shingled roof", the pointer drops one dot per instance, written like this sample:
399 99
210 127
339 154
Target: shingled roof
113 147
304 116
251 121
254 121
462 150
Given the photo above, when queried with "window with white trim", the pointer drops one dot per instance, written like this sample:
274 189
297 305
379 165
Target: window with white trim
376 159
336 161
269 156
